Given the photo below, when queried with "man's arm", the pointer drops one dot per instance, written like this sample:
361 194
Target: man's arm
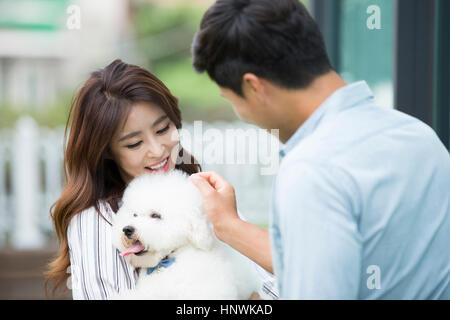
219 202
250 240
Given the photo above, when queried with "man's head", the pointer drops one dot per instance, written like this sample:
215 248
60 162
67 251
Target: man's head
275 40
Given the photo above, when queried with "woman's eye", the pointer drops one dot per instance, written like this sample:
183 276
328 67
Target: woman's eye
164 129
132 146
156 216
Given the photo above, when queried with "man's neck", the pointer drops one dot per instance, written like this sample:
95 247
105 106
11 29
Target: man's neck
299 105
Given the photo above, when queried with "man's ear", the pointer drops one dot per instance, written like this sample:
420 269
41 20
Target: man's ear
252 82
253 87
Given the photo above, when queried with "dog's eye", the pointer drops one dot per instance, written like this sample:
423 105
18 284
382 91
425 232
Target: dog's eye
135 215
155 216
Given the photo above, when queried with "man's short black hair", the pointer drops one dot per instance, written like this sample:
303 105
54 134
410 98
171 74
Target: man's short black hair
277 40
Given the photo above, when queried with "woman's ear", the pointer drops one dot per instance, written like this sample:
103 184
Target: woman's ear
108 154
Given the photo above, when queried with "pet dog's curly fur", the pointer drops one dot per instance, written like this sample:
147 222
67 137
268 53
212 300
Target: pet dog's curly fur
165 211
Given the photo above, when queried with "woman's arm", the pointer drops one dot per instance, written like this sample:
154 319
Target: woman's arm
219 202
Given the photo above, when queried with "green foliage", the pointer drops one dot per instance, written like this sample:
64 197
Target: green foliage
193 89
165 33
51 116
151 19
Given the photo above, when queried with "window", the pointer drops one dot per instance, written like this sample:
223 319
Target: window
366 50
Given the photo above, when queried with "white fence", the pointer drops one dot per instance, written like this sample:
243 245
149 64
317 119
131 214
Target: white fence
31 174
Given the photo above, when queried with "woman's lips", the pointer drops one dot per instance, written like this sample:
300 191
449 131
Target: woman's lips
164 169
156 163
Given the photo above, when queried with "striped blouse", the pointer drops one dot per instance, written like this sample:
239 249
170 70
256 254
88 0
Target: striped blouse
97 269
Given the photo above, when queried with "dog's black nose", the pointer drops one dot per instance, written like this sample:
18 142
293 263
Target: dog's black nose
128 230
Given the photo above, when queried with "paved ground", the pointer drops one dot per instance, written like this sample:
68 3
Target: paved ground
21 274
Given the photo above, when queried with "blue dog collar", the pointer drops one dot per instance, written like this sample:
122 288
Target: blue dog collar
165 263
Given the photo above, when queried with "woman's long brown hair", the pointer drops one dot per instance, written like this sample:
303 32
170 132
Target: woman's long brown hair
96 112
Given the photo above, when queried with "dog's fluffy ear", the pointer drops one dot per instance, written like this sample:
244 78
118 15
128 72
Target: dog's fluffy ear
201 235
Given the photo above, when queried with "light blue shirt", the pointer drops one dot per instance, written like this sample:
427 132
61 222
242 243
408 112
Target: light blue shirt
360 205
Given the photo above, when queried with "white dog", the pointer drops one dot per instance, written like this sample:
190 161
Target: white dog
162 230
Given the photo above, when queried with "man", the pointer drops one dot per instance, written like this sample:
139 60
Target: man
360 205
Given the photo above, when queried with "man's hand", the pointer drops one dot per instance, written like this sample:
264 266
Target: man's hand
219 200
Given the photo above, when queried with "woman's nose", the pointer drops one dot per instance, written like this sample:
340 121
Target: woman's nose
155 151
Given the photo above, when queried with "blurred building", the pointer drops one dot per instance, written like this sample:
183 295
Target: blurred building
49 45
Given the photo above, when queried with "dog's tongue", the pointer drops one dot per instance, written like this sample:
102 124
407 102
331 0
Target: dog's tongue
133 249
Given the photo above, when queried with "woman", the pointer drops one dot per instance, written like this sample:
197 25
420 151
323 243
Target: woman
124 123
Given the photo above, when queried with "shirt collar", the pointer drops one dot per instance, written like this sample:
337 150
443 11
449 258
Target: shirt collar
343 98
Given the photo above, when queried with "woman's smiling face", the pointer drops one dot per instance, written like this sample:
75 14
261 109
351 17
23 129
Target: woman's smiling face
148 142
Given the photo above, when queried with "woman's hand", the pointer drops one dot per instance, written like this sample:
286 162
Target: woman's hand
219 200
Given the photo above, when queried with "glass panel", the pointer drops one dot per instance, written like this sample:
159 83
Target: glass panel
366 45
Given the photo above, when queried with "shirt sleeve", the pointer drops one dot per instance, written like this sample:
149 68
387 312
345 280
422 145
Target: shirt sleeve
97 270
269 288
321 247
